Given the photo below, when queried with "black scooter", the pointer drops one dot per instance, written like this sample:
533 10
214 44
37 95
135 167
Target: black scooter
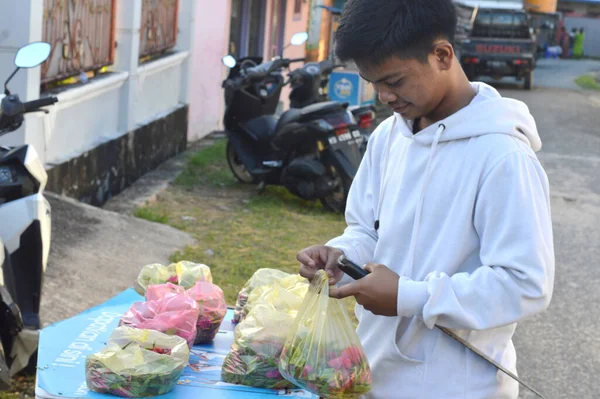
313 151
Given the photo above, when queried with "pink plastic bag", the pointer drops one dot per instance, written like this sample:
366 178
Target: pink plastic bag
160 291
173 314
212 310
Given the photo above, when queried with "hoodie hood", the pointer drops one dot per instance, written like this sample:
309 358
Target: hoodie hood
488 113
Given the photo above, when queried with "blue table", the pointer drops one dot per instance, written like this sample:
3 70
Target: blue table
64 346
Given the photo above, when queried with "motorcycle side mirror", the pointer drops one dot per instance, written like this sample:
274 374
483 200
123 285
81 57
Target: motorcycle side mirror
32 55
299 39
29 56
296 40
229 61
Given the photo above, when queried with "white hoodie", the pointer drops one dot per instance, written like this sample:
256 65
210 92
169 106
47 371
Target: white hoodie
464 215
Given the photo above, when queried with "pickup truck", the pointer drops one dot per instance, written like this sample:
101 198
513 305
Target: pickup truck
499 43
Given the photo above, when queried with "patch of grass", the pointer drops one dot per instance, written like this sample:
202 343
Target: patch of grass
267 231
152 215
207 166
239 230
20 387
588 82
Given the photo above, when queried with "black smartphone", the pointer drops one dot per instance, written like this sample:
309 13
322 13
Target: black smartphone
351 268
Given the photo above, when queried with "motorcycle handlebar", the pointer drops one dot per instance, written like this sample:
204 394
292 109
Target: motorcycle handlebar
233 83
332 68
34 105
259 72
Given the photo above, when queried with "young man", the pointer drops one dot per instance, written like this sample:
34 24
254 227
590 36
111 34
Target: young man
449 211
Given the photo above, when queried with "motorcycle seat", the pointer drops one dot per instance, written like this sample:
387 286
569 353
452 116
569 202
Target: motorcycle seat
289 116
262 128
296 114
265 127
323 107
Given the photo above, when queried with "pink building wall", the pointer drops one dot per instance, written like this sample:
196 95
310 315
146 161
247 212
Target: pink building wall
293 24
210 45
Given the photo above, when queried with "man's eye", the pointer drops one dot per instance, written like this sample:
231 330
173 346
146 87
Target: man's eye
394 84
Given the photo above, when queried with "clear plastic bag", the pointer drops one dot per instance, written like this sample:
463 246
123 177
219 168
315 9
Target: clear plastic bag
285 294
137 363
175 314
189 273
258 341
212 309
260 278
323 353
155 274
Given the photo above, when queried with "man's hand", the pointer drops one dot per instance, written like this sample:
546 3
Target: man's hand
377 292
318 257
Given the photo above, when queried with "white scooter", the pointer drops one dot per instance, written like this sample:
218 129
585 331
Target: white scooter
24 228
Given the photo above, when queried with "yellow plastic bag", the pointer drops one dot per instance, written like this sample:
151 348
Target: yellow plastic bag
155 274
189 273
285 294
260 278
184 273
258 340
323 353
137 363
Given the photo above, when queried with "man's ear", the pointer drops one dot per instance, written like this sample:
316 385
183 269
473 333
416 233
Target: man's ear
444 55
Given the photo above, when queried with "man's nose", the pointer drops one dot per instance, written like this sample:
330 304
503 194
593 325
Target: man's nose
387 97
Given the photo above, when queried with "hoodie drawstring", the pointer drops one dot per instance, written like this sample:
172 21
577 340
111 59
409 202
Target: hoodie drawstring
382 183
417 221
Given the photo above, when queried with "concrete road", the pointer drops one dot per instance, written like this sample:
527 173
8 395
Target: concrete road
551 73
559 351
562 73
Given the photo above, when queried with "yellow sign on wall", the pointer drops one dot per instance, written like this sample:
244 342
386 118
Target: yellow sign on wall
545 6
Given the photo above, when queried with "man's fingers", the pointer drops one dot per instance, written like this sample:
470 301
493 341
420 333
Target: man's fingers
307 272
333 270
323 254
370 267
304 258
331 262
344 291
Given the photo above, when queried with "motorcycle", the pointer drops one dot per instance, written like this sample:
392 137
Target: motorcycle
309 86
312 151
25 227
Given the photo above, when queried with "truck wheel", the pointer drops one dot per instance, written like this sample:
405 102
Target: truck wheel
529 81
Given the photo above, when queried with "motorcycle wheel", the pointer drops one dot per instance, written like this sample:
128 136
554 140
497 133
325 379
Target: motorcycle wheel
335 201
237 167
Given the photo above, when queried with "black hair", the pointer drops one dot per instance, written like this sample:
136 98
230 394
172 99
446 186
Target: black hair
370 31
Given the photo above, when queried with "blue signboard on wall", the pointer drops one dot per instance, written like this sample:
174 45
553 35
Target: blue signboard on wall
344 87
349 87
